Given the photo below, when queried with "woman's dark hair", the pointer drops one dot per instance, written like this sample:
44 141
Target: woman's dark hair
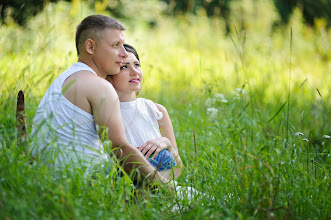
131 49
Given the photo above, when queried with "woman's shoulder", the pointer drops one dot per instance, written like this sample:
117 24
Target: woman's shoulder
145 101
151 106
160 107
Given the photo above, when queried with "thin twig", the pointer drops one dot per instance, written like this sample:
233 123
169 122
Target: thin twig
319 92
289 88
195 148
328 189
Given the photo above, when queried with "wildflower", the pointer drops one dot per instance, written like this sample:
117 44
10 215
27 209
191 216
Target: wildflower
209 102
212 112
221 98
298 134
326 136
305 139
241 91
237 92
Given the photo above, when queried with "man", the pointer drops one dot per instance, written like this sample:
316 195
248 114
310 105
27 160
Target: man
80 101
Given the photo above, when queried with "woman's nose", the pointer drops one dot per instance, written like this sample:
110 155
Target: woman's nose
134 71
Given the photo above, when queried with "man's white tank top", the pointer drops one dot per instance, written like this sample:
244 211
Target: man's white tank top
63 130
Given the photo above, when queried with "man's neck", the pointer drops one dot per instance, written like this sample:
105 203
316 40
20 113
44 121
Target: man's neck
89 62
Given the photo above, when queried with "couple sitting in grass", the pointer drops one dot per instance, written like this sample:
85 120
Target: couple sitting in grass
143 119
80 104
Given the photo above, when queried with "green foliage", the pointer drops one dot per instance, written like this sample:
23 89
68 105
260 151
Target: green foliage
311 10
21 10
227 91
140 11
218 8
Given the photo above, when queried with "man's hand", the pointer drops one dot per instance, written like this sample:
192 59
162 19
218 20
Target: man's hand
155 146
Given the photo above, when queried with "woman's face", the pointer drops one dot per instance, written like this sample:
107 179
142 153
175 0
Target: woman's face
130 77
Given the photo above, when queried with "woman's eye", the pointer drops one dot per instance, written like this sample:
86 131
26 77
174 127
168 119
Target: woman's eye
124 67
137 65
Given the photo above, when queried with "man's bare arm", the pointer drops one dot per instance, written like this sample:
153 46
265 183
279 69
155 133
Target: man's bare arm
98 97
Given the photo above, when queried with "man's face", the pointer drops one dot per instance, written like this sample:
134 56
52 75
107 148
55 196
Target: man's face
109 52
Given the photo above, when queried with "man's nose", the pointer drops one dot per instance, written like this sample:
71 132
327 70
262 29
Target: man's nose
123 52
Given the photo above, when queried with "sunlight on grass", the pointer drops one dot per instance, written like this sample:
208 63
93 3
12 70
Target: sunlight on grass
230 91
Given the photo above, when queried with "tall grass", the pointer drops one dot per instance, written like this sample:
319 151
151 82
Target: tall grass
240 148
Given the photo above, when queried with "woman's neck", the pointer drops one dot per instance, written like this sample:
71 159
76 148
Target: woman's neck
127 97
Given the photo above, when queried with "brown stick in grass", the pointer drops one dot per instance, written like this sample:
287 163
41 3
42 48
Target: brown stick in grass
22 131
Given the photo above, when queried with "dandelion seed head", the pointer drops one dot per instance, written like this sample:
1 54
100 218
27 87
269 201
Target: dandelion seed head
305 139
326 136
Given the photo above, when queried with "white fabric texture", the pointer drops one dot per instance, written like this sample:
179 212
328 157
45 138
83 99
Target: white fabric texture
138 116
64 129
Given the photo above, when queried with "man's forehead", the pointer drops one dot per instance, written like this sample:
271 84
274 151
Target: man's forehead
113 34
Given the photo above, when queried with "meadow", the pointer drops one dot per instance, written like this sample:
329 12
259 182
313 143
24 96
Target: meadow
250 112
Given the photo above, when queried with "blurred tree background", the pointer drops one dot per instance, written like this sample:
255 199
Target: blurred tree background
312 11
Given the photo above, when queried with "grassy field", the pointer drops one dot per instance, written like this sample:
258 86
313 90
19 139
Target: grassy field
244 97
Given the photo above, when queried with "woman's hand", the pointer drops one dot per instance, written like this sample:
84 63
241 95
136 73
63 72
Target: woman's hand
155 146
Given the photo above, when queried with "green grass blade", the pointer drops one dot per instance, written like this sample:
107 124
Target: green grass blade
279 110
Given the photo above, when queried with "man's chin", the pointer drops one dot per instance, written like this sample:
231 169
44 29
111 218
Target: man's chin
115 72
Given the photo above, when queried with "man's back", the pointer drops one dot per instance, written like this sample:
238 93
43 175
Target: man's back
64 128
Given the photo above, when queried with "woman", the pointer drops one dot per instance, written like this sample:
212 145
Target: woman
147 124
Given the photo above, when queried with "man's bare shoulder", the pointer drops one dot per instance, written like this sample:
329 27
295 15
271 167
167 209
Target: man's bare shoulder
85 88
86 81
82 77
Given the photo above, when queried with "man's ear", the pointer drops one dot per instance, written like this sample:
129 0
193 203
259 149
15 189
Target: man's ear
89 46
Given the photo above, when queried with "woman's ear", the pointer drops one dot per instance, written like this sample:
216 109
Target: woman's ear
89 46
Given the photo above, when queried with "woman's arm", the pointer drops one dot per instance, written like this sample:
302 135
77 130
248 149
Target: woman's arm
166 141
167 131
